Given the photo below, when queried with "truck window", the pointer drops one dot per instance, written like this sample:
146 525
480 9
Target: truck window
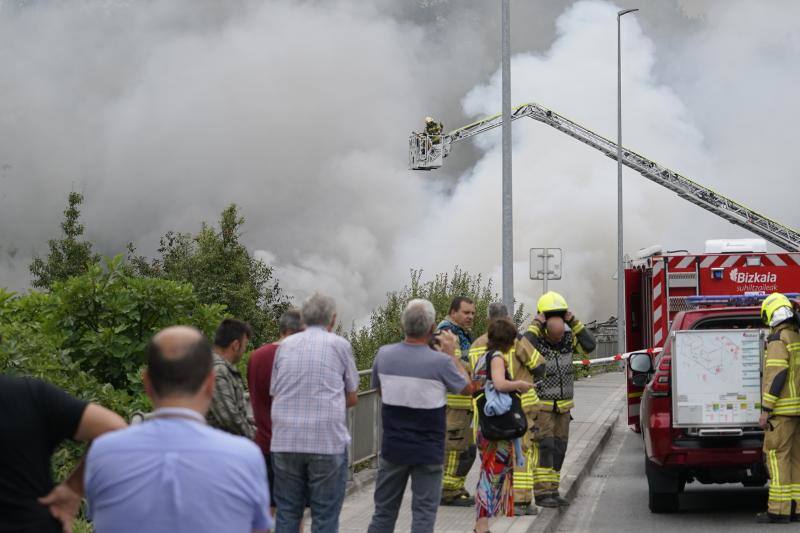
729 322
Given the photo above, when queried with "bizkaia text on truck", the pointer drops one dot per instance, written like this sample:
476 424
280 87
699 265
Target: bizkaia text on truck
657 284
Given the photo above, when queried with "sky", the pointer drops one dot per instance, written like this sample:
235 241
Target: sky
163 113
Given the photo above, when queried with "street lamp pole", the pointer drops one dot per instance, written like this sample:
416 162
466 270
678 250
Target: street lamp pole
508 231
620 263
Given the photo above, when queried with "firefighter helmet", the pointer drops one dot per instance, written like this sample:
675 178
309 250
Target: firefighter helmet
551 302
775 309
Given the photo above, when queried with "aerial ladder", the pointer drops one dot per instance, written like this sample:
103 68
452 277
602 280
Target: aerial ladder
427 155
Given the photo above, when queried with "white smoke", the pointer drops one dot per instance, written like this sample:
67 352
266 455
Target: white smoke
163 113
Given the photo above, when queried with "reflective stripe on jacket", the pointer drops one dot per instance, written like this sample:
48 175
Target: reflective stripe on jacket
459 401
523 362
781 382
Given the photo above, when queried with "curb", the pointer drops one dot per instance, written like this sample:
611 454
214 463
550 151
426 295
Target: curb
549 519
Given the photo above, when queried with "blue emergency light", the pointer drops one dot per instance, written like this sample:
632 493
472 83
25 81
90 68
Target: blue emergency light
733 299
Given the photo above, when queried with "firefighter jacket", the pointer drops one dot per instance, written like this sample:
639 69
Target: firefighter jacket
556 389
781 385
434 130
459 401
523 362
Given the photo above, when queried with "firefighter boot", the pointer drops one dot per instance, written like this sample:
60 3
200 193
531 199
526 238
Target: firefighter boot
547 500
562 502
769 518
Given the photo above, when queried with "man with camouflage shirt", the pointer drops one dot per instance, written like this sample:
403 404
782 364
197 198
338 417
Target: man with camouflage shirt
228 410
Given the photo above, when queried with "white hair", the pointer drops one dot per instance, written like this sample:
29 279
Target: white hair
418 318
318 310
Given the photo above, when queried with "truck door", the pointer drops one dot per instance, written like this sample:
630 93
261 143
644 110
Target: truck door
634 400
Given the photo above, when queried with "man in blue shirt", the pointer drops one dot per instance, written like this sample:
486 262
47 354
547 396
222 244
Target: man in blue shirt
173 473
413 381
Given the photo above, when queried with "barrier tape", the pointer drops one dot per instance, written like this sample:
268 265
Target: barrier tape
601 360
613 358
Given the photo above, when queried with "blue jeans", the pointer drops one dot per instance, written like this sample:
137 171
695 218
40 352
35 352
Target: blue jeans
319 479
426 491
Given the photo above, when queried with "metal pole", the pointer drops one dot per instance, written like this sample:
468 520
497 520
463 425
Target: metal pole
546 261
508 230
620 264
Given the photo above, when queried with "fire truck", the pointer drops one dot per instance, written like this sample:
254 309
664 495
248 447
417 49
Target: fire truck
658 284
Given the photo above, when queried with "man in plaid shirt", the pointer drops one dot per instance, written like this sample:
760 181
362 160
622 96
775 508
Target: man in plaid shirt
228 410
314 381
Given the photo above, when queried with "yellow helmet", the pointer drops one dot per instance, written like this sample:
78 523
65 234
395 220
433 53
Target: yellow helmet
773 303
551 302
428 120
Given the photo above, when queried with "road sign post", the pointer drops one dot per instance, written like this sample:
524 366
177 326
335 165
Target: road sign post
546 264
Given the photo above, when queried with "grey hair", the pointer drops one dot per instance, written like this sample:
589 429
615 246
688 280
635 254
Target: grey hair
318 310
290 321
497 310
418 318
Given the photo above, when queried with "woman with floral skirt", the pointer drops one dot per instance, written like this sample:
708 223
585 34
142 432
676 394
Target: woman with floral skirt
494 495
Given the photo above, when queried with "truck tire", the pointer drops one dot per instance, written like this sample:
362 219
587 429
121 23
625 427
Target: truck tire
663 487
663 503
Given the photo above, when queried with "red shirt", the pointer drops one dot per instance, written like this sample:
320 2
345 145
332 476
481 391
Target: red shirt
259 376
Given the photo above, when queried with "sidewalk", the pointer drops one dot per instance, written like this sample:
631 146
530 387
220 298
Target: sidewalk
598 402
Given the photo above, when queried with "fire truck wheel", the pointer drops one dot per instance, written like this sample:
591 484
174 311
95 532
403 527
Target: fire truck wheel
664 487
663 503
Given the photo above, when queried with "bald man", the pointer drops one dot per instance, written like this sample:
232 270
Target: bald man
173 473
557 336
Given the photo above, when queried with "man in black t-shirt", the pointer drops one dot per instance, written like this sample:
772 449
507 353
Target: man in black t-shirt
35 418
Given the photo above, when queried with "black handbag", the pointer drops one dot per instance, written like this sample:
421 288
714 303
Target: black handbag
508 426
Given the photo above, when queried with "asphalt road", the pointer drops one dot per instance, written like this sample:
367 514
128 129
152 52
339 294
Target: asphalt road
613 498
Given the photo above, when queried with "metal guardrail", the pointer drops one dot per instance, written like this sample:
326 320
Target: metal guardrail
364 424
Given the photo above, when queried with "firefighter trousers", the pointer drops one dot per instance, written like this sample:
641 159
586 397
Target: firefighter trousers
523 475
551 432
459 452
782 455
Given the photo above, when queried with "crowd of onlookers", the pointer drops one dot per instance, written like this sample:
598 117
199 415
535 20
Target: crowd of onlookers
206 460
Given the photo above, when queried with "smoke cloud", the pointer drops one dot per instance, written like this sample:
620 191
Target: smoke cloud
162 113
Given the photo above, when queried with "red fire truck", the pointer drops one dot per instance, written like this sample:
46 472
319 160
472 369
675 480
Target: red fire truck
675 295
659 284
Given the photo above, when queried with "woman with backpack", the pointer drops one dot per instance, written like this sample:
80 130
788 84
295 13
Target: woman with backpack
494 495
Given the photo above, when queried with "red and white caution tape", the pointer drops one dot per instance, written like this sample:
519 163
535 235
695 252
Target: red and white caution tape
612 359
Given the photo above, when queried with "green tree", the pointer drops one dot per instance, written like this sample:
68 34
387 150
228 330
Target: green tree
107 317
221 270
87 336
384 325
69 256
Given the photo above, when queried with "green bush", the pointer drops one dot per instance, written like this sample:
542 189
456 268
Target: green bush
87 336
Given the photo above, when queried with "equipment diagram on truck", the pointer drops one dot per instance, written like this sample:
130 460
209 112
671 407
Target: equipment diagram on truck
712 358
